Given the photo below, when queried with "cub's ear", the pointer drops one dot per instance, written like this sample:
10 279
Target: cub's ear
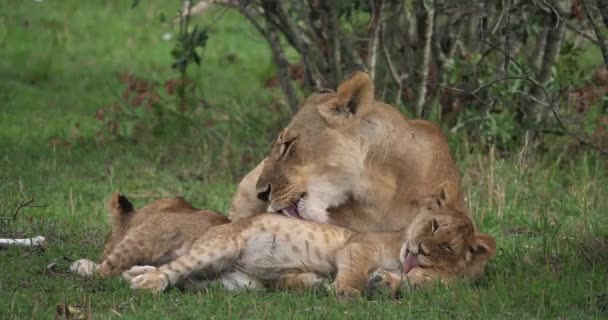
354 96
445 196
119 205
484 246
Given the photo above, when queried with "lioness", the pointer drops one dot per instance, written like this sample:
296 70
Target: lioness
153 235
440 243
349 160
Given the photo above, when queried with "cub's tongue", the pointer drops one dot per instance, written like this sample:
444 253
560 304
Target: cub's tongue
410 263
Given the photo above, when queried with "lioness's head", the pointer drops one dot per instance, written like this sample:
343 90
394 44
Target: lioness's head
445 241
317 160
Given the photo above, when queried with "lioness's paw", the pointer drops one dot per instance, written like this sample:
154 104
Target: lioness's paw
154 281
136 271
84 267
382 280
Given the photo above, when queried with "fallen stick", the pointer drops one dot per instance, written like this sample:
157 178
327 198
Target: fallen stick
29 242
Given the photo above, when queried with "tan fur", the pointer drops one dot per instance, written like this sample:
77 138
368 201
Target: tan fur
245 198
153 235
292 253
348 160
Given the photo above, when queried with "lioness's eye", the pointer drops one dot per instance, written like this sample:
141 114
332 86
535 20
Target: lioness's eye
445 247
434 226
285 147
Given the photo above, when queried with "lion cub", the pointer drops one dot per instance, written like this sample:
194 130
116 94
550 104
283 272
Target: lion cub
440 243
153 235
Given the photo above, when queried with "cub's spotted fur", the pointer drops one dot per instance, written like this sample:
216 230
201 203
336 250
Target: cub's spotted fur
153 235
441 243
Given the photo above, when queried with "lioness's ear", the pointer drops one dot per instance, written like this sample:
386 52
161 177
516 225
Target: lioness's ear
484 246
354 96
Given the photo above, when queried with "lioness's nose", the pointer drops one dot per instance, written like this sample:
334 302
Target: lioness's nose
264 192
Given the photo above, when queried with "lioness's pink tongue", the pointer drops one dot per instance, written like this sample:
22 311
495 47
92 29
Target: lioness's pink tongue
292 211
410 263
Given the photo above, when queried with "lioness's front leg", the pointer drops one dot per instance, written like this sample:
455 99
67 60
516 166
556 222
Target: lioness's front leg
216 250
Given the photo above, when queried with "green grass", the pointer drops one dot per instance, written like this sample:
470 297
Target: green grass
59 63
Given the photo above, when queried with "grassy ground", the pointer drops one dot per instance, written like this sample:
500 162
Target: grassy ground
59 64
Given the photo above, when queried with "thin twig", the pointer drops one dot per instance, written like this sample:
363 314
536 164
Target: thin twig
279 57
23 204
601 41
568 23
548 102
389 61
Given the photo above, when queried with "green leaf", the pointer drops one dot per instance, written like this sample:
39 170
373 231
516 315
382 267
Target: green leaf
196 57
134 4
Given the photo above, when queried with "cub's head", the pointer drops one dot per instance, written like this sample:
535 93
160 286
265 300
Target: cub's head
445 243
120 212
316 161
124 216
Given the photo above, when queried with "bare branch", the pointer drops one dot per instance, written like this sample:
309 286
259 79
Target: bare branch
602 6
22 204
374 39
544 92
334 40
294 38
29 242
549 10
279 58
601 40
519 66
554 40
425 11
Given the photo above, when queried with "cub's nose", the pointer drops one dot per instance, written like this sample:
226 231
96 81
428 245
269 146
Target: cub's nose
263 192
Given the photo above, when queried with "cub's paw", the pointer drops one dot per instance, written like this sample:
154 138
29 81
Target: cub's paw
154 281
347 293
419 278
136 271
84 267
383 281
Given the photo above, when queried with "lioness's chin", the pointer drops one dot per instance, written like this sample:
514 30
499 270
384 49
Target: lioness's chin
313 210
306 208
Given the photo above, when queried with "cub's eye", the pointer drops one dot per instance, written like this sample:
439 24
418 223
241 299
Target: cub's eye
434 226
446 248
285 148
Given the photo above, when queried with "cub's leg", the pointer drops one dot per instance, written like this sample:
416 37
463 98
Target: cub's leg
123 256
137 247
353 263
215 251
136 271
236 281
299 281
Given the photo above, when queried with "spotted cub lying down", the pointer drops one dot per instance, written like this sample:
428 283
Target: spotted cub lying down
440 244
153 235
